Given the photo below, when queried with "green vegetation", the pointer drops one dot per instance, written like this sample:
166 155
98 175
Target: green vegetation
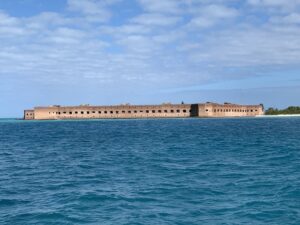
289 110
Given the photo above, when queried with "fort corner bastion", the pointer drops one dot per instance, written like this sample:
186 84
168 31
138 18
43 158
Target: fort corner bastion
208 109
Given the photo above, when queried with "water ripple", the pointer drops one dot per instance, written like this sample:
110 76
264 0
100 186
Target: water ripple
173 171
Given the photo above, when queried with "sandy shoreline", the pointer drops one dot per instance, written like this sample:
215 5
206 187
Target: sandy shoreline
281 115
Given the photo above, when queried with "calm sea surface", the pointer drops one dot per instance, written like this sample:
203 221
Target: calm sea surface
165 171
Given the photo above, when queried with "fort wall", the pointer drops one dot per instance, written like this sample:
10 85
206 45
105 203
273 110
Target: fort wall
29 114
143 111
229 110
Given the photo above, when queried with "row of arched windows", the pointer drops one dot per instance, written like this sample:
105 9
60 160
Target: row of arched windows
121 112
235 110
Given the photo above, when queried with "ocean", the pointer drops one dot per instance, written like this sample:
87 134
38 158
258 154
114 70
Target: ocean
155 171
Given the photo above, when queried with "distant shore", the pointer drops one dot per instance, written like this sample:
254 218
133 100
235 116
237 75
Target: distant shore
291 110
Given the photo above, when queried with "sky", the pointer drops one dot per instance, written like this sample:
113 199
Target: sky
107 52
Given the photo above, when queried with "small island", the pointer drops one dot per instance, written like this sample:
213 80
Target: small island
292 110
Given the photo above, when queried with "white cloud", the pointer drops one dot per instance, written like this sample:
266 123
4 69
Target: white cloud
219 11
138 44
10 26
279 5
207 16
65 35
94 11
126 29
274 2
293 18
169 37
155 19
251 47
202 22
45 19
6 20
165 6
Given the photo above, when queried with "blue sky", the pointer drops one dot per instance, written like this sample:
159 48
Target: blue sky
72 52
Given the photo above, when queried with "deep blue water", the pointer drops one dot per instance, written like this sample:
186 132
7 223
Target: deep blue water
168 171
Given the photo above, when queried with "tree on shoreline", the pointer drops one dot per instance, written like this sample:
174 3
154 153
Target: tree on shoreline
289 110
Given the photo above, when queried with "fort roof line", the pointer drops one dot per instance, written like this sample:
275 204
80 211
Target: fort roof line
146 105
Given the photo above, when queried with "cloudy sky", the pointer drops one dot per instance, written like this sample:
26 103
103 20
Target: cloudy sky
72 52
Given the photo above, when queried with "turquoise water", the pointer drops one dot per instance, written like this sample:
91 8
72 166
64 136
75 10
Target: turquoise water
168 171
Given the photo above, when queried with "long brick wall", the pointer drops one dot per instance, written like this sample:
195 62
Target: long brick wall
142 111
